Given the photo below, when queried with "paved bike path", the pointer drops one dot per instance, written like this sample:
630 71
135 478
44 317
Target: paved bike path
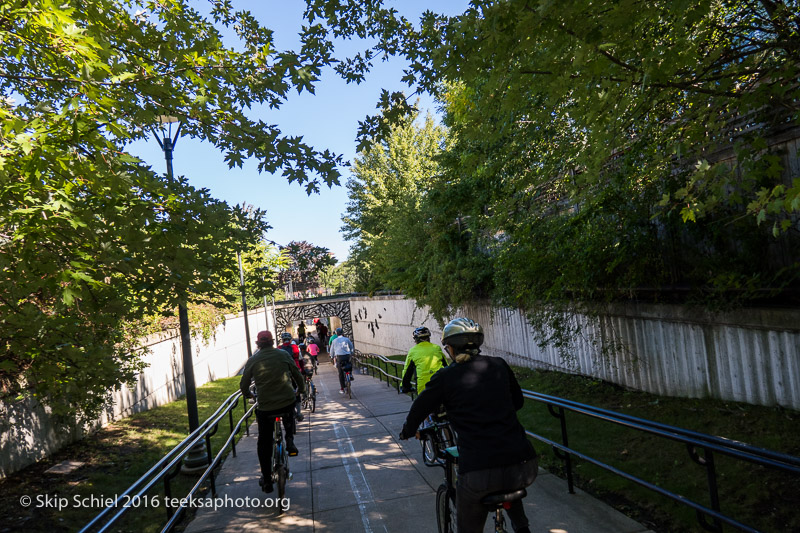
353 474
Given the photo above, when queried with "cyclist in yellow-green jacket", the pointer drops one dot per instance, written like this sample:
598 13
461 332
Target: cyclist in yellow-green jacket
424 358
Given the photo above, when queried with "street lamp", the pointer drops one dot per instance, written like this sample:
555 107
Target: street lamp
244 305
197 458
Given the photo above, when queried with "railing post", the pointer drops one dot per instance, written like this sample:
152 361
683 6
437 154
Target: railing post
566 457
707 461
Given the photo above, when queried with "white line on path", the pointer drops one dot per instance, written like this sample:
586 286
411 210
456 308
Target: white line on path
355 474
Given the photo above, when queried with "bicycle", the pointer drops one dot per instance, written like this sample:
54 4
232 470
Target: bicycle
309 400
348 377
280 458
447 458
500 501
444 437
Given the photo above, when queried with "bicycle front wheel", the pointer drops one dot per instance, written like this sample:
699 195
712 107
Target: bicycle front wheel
349 389
429 451
445 509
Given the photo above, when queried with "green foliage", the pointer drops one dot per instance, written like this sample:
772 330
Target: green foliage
92 241
633 151
404 236
305 262
339 278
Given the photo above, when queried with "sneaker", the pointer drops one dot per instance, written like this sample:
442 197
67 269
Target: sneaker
291 448
341 391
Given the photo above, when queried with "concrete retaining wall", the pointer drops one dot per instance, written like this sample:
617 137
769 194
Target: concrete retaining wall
28 432
750 356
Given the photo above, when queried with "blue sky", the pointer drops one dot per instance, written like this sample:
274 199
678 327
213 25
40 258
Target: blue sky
327 119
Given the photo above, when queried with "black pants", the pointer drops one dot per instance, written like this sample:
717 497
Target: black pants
266 420
341 372
473 486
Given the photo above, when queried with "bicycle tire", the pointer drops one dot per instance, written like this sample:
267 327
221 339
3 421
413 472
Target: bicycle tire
349 388
313 403
281 481
429 452
445 509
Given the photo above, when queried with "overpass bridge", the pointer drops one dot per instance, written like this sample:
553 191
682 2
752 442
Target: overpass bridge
353 474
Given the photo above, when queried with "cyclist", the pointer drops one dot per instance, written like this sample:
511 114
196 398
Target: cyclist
301 332
330 343
312 348
292 349
424 358
481 396
322 333
273 372
341 351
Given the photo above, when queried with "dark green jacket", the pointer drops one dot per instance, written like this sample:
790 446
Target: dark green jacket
273 371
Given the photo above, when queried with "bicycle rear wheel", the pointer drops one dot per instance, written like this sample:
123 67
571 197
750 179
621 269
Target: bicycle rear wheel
313 402
347 384
281 481
445 509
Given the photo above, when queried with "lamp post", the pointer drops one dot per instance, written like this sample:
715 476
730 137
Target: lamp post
197 458
244 306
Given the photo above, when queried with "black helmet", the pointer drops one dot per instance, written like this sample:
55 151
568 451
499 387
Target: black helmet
286 336
339 331
463 333
422 334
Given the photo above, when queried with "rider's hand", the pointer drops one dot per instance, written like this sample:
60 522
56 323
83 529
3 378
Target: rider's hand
405 434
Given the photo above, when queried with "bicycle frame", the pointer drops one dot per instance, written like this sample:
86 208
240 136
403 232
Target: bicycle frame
447 458
280 458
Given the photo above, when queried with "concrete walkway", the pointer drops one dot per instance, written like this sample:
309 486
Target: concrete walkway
353 474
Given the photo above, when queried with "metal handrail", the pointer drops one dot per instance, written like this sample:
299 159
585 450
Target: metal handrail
695 442
360 358
165 468
173 521
692 439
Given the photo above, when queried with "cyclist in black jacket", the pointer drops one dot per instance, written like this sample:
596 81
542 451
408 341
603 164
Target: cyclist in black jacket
481 396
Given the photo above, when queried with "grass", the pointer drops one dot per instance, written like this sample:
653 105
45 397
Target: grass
754 495
757 496
115 457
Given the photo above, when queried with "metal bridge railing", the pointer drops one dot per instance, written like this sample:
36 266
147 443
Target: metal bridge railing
170 465
701 447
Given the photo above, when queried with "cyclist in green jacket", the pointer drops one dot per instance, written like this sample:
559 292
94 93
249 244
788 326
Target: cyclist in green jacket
424 358
273 371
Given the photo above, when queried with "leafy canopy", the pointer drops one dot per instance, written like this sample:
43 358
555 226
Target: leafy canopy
91 241
599 152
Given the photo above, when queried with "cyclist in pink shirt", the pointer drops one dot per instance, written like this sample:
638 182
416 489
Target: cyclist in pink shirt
311 347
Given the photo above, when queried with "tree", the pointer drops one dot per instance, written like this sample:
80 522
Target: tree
383 212
305 263
92 241
605 151
339 278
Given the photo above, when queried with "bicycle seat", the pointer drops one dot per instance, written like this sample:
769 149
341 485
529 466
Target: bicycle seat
499 498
